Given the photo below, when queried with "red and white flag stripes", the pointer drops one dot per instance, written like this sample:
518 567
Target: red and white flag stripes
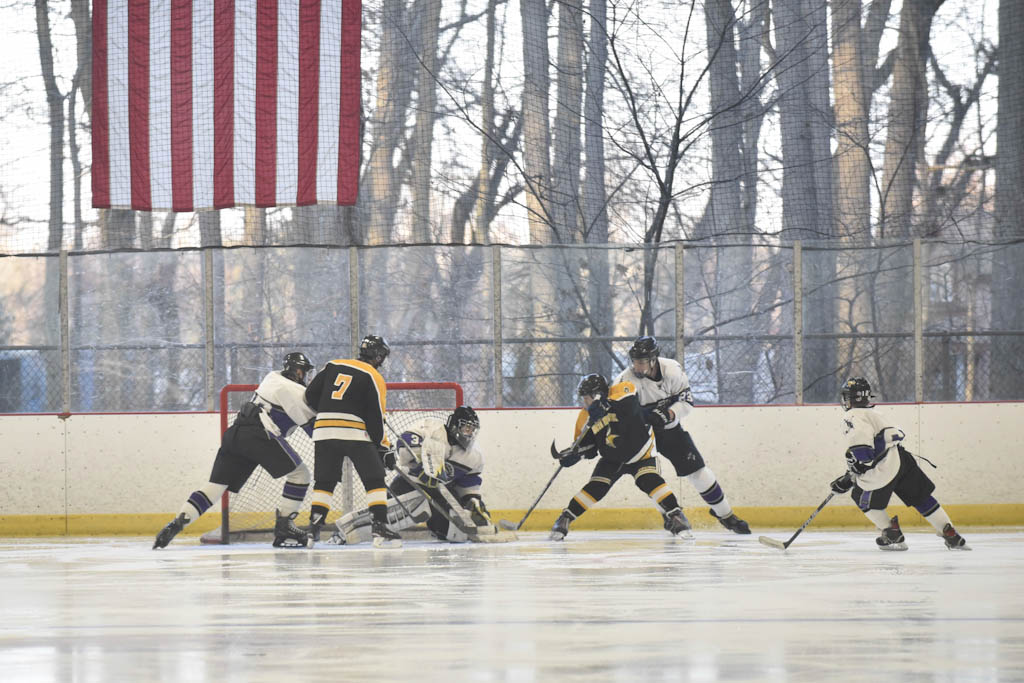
203 104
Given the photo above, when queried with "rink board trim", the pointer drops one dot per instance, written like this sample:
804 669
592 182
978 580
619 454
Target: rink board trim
995 515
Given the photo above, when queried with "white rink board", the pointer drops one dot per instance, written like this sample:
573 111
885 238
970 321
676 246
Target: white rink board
763 456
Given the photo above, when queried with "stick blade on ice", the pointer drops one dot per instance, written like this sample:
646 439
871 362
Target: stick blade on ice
771 542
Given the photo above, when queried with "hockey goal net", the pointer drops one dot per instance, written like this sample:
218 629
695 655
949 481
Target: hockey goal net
249 514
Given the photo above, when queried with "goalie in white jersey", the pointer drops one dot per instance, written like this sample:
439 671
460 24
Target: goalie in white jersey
878 466
436 453
666 399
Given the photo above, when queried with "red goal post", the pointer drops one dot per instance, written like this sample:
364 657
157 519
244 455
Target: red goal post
249 514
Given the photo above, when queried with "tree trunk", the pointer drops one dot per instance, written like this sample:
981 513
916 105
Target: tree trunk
1008 263
595 200
565 172
426 114
908 117
55 105
805 119
483 185
381 188
852 99
536 133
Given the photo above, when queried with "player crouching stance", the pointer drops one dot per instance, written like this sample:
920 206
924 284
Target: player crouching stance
612 428
257 437
879 466
435 454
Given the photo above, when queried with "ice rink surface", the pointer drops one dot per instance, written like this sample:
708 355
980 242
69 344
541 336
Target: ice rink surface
600 606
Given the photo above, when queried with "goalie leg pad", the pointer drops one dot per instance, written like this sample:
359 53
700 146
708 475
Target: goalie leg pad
355 526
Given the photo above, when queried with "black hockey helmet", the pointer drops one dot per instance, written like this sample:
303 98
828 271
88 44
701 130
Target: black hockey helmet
856 393
644 348
462 426
593 385
296 367
374 349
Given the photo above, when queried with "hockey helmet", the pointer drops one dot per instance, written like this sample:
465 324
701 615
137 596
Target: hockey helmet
644 348
593 385
374 349
856 393
462 426
296 367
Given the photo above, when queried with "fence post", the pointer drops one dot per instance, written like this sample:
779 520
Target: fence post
353 298
210 359
680 306
65 335
798 321
918 326
497 331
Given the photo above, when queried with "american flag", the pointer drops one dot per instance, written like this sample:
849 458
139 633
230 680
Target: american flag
209 104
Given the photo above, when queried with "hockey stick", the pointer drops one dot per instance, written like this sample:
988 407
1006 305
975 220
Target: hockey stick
772 543
506 524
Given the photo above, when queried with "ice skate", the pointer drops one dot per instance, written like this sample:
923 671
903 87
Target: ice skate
287 535
561 527
732 523
383 537
954 541
677 524
170 531
892 537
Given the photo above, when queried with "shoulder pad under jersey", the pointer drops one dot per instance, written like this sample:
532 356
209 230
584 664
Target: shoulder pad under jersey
617 392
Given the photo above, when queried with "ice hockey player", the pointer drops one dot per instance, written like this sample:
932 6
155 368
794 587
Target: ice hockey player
664 392
878 466
611 427
436 453
257 437
350 399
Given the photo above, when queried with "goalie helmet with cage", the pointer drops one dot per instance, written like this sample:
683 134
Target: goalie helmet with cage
593 385
856 393
296 367
374 349
462 425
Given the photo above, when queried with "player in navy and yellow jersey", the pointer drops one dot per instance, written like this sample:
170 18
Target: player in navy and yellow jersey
350 399
613 429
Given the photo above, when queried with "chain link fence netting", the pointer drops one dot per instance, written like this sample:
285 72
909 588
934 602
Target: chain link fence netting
515 326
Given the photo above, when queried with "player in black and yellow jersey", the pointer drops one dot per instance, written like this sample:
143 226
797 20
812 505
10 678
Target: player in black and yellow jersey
613 430
350 398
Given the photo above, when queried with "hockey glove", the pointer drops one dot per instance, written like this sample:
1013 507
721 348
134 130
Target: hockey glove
842 484
658 417
388 455
598 408
478 511
568 457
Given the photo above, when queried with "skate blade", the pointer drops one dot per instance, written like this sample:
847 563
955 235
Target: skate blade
684 535
893 547
962 547
556 536
387 543
291 543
